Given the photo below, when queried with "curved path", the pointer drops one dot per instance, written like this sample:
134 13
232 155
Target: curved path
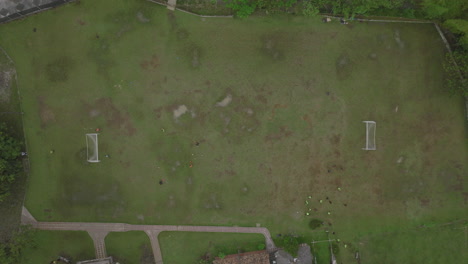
98 231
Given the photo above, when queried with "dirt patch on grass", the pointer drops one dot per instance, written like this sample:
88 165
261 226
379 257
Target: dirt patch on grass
59 69
115 119
150 64
308 120
80 22
195 53
284 132
46 113
141 17
271 46
182 34
275 107
344 66
99 53
172 20
262 99
335 139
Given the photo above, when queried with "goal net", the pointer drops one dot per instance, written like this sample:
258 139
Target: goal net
92 147
370 135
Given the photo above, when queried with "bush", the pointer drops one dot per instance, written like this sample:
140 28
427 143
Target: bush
10 165
309 9
221 255
242 8
460 28
261 246
454 68
290 244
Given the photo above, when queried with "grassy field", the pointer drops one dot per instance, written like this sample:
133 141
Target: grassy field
129 247
242 120
437 244
188 247
49 245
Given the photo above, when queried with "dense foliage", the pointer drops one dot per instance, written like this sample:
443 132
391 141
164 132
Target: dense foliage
10 165
431 9
10 251
456 68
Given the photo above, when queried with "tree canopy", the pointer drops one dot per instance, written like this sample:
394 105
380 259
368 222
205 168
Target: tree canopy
10 165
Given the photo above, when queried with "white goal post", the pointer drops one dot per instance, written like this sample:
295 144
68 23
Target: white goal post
92 153
370 135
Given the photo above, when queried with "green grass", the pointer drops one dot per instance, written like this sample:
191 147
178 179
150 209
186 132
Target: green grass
129 247
300 91
440 244
49 245
189 247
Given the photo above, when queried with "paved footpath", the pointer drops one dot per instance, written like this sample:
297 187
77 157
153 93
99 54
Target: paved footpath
98 231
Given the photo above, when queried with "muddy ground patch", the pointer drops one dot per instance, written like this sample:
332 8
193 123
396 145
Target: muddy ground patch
46 113
59 70
344 66
115 118
272 46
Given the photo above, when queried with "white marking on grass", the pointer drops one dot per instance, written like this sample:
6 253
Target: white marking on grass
225 102
182 109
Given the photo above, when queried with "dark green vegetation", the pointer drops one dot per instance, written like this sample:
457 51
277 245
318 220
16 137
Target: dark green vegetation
241 120
456 68
13 247
49 245
315 223
204 7
431 9
10 164
12 178
129 247
189 247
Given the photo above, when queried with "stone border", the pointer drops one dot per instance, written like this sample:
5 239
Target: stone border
33 10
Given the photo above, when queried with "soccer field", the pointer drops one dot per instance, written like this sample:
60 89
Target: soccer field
240 120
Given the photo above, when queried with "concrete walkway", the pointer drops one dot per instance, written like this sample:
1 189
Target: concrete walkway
98 231
171 4
153 235
99 243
